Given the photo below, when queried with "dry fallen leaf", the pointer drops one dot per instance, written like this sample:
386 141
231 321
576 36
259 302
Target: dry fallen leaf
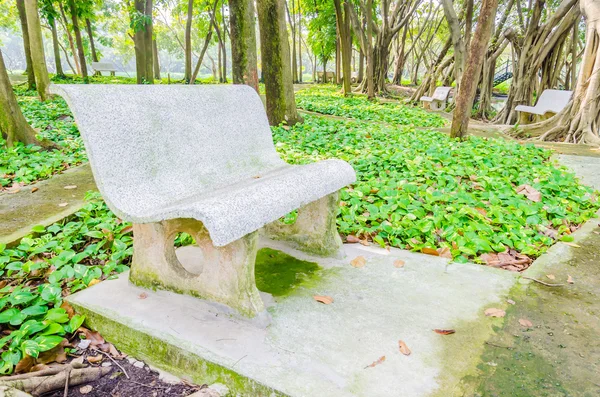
444 331
551 276
530 193
525 323
359 261
87 389
95 337
512 302
63 204
68 308
444 252
95 359
34 189
126 230
365 242
71 187
327 300
493 312
375 363
430 251
572 245
399 263
93 282
352 239
403 348
570 280
143 295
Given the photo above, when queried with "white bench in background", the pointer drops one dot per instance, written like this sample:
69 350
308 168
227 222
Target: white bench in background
201 160
551 101
100 67
439 99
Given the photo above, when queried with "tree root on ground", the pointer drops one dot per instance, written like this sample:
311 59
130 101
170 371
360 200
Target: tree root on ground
41 382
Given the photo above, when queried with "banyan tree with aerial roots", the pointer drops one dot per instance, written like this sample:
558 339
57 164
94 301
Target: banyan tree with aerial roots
579 122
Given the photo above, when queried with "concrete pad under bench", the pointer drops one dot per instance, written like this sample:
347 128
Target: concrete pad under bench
304 348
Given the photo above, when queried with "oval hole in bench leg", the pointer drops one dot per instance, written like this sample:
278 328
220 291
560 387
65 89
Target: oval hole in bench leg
188 253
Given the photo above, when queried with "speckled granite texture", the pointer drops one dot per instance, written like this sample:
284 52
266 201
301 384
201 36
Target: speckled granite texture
202 152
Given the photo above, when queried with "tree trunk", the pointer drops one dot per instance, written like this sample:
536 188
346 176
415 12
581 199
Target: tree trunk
276 68
188 42
26 45
224 43
69 37
400 58
243 43
13 126
457 40
479 45
38 57
346 44
369 50
90 33
155 60
361 67
56 48
300 68
78 40
292 21
144 63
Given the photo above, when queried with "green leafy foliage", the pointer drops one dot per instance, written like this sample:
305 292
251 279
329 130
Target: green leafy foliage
66 257
329 100
23 164
421 189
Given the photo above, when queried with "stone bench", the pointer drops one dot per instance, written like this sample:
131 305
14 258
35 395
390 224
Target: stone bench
439 100
551 101
325 78
100 67
201 160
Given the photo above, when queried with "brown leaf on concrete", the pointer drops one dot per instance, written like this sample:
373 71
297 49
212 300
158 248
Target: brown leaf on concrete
34 189
93 282
143 295
359 261
570 280
377 362
444 331
493 312
551 276
327 300
399 263
572 245
365 242
430 251
444 252
63 204
525 323
530 193
403 348
351 239
70 187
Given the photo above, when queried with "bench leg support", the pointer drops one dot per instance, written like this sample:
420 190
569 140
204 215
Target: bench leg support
219 274
315 230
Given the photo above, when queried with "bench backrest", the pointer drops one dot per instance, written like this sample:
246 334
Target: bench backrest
553 100
166 143
441 93
103 66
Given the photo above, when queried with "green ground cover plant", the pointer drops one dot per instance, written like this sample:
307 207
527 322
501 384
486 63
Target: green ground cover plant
329 100
421 189
48 265
25 164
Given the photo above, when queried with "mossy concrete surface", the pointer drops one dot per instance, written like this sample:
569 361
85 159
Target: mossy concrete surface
20 211
306 348
559 355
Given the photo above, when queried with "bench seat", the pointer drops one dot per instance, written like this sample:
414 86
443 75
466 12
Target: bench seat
550 101
231 212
